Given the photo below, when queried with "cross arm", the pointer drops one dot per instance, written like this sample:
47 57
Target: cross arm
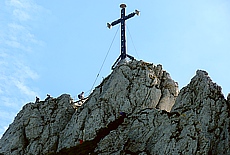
116 22
132 14
113 23
129 16
125 17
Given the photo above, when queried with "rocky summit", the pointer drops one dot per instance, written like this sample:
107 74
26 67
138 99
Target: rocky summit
137 109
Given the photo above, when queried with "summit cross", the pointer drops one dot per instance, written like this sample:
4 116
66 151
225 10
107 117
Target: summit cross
123 38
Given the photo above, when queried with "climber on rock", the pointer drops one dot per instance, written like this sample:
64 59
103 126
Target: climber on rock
48 97
37 99
81 96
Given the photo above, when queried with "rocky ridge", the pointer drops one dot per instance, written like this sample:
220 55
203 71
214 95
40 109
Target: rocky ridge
158 120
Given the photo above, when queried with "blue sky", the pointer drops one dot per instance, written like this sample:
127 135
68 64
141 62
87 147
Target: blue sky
58 46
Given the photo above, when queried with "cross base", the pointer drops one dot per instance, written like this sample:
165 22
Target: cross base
119 59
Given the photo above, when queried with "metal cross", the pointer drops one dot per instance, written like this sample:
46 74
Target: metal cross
123 39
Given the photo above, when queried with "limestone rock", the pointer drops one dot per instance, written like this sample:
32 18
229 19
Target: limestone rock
131 86
157 119
204 107
197 124
36 128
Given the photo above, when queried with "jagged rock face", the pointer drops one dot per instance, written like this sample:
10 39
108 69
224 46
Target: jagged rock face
198 122
131 87
206 112
36 128
53 125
